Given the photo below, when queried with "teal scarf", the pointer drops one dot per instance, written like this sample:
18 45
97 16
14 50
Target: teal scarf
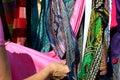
39 36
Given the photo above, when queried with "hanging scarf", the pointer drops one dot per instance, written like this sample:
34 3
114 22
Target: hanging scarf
77 15
70 6
40 40
106 36
93 47
19 23
15 16
61 35
93 51
76 22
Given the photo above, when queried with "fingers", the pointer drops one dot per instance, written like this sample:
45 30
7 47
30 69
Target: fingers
63 62
60 70
67 70
59 77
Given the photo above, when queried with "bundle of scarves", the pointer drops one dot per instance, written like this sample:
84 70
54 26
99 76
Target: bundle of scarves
22 58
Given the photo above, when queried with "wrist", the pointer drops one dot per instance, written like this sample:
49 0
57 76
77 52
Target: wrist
50 69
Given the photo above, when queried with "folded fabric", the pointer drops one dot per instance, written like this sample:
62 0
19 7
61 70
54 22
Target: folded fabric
25 62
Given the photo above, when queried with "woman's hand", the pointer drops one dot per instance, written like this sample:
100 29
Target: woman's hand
58 70
55 71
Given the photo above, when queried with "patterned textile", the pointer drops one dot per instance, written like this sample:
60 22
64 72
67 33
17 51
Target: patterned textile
15 13
70 6
86 23
19 24
106 37
39 36
93 51
61 35
77 25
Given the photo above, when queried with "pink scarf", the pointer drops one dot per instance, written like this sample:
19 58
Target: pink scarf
25 62
77 15
113 15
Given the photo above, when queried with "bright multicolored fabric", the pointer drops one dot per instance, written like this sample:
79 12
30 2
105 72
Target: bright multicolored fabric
88 4
61 35
93 51
93 47
40 39
106 37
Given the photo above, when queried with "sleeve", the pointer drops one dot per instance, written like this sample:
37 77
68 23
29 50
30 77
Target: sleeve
1 33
